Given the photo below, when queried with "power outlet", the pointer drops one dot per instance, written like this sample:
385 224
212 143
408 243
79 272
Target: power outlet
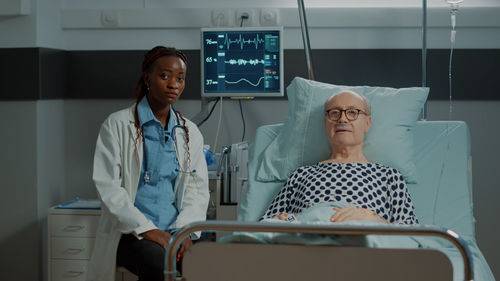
220 17
250 13
269 17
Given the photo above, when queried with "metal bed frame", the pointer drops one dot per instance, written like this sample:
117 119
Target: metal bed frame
449 235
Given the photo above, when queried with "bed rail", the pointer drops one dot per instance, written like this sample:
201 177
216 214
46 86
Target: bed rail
170 257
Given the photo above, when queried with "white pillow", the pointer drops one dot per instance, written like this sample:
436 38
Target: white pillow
302 140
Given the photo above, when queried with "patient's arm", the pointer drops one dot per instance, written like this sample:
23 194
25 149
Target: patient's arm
355 213
280 204
342 215
283 216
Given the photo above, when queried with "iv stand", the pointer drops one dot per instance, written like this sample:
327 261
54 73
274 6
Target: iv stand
424 54
305 38
307 46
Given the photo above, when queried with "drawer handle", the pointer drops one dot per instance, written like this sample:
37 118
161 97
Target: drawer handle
74 273
73 228
73 251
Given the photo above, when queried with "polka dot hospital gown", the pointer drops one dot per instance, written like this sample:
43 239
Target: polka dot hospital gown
372 186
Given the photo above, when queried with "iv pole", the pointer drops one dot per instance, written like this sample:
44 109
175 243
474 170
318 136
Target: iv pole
307 46
424 54
305 38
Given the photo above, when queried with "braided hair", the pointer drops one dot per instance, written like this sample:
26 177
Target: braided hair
141 89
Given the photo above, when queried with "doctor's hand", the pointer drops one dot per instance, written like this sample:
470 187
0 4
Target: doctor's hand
185 245
355 213
158 236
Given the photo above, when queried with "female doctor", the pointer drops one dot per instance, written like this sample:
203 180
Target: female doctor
150 174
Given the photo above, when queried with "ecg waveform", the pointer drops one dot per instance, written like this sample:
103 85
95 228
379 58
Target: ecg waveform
244 62
241 41
243 79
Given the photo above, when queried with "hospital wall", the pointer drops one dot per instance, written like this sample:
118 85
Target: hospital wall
48 139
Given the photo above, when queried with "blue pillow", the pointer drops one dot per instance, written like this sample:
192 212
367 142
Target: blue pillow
302 140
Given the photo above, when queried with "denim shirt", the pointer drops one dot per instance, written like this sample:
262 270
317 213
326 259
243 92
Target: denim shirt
155 196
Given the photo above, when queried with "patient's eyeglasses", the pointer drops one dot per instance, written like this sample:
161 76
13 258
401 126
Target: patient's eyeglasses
351 114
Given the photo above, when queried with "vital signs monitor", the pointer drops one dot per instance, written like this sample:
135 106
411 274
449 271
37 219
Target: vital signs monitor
242 62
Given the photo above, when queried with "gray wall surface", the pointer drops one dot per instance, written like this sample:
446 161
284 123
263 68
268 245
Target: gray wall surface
20 231
50 165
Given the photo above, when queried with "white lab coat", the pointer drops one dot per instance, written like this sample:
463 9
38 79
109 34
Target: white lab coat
117 167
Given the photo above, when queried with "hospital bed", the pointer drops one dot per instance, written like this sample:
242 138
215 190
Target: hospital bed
442 196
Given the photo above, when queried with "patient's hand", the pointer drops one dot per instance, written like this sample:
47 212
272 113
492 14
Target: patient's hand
355 213
283 216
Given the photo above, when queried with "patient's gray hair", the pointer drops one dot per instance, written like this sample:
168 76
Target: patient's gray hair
368 107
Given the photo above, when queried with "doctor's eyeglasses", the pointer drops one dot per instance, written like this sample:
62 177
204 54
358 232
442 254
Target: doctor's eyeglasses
335 114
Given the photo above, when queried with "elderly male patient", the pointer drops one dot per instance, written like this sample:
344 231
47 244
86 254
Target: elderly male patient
368 191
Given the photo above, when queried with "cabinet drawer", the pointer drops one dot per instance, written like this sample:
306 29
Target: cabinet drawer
69 270
73 225
71 248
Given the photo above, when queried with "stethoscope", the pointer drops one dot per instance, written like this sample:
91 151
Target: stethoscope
178 125
174 139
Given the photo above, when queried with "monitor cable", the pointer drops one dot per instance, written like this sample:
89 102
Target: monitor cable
209 114
218 125
243 121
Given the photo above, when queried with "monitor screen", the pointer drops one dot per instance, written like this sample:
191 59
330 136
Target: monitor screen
242 62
